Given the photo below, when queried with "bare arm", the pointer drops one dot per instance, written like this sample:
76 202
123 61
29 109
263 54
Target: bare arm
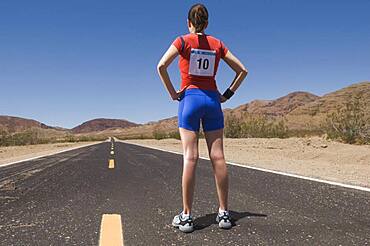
239 69
165 61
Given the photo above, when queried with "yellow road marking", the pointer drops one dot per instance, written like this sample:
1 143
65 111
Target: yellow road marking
111 230
111 163
112 152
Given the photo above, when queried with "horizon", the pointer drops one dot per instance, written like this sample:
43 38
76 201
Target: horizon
150 121
64 63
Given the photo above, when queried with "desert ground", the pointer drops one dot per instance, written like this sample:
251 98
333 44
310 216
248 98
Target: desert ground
312 157
17 153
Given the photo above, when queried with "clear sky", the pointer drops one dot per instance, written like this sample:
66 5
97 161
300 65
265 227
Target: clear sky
65 62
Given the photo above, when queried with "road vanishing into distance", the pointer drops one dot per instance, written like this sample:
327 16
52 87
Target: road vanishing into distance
114 193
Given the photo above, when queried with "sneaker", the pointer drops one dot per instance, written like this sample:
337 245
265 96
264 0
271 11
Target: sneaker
224 220
185 224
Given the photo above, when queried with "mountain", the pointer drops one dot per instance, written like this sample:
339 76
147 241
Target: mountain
277 107
13 124
97 125
313 114
301 110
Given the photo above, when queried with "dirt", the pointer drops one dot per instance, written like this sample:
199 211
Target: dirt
312 157
17 153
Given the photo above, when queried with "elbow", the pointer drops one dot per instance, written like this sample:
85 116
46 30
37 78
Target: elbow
243 71
160 67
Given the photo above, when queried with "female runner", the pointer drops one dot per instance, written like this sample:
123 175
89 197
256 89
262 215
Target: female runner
200 102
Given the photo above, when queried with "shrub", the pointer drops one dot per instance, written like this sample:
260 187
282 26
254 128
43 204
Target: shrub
175 135
249 126
159 135
27 137
233 127
349 124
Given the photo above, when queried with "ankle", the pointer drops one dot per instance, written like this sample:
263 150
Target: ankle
186 214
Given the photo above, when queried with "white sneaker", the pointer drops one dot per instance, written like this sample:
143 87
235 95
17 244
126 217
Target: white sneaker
184 223
224 220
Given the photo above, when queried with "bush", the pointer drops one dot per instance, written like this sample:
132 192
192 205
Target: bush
28 137
249 126
349 124
175 135
157 134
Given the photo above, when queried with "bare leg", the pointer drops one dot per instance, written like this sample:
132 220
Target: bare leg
216 154
189 141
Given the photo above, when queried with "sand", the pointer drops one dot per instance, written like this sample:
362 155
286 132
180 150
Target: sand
17 153
312 157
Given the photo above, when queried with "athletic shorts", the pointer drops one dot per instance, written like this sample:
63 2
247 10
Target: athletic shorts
197 105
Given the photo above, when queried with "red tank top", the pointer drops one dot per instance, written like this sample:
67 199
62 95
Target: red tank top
199 59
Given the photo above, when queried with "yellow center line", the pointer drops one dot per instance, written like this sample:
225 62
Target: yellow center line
111 230
111 163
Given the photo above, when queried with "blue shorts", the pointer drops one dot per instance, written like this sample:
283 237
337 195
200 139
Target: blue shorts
197 106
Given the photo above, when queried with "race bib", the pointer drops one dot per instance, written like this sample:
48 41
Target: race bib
202 62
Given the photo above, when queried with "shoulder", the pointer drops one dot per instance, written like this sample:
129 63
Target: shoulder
218 45
214 40
181 38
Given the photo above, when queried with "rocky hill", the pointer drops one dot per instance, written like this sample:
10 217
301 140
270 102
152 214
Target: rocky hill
277 107
313 114
301 110
97 125
13 124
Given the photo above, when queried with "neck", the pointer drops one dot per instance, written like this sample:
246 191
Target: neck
192 30
199 33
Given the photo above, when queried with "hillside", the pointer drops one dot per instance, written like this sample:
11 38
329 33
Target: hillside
313 114
98 125
302 110
13 124
277 107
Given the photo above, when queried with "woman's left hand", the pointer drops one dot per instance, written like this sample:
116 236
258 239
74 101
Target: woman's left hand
223 99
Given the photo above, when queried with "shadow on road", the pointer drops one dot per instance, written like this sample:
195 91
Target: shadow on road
210 219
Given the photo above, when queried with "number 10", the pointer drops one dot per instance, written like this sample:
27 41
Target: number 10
205 63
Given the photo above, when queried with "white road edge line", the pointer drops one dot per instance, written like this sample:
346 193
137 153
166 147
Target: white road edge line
267 170
54 153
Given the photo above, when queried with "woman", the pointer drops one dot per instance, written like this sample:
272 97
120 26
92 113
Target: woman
200 102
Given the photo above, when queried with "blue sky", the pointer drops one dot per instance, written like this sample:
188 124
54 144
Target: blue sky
65 62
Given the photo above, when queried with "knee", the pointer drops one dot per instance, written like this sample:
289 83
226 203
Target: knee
217 156
191 157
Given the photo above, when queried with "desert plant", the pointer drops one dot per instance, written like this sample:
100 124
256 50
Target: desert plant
175 135
157 134
28 137
232 127
255 126
3 137
349 123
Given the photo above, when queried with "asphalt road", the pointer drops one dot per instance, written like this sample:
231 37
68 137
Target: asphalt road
60 200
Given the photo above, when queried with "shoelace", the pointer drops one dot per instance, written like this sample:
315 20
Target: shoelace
225 217
187 219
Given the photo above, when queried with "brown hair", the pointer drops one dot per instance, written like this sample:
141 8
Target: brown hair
198 16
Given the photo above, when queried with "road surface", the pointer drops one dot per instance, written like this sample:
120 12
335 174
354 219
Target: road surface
61 200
